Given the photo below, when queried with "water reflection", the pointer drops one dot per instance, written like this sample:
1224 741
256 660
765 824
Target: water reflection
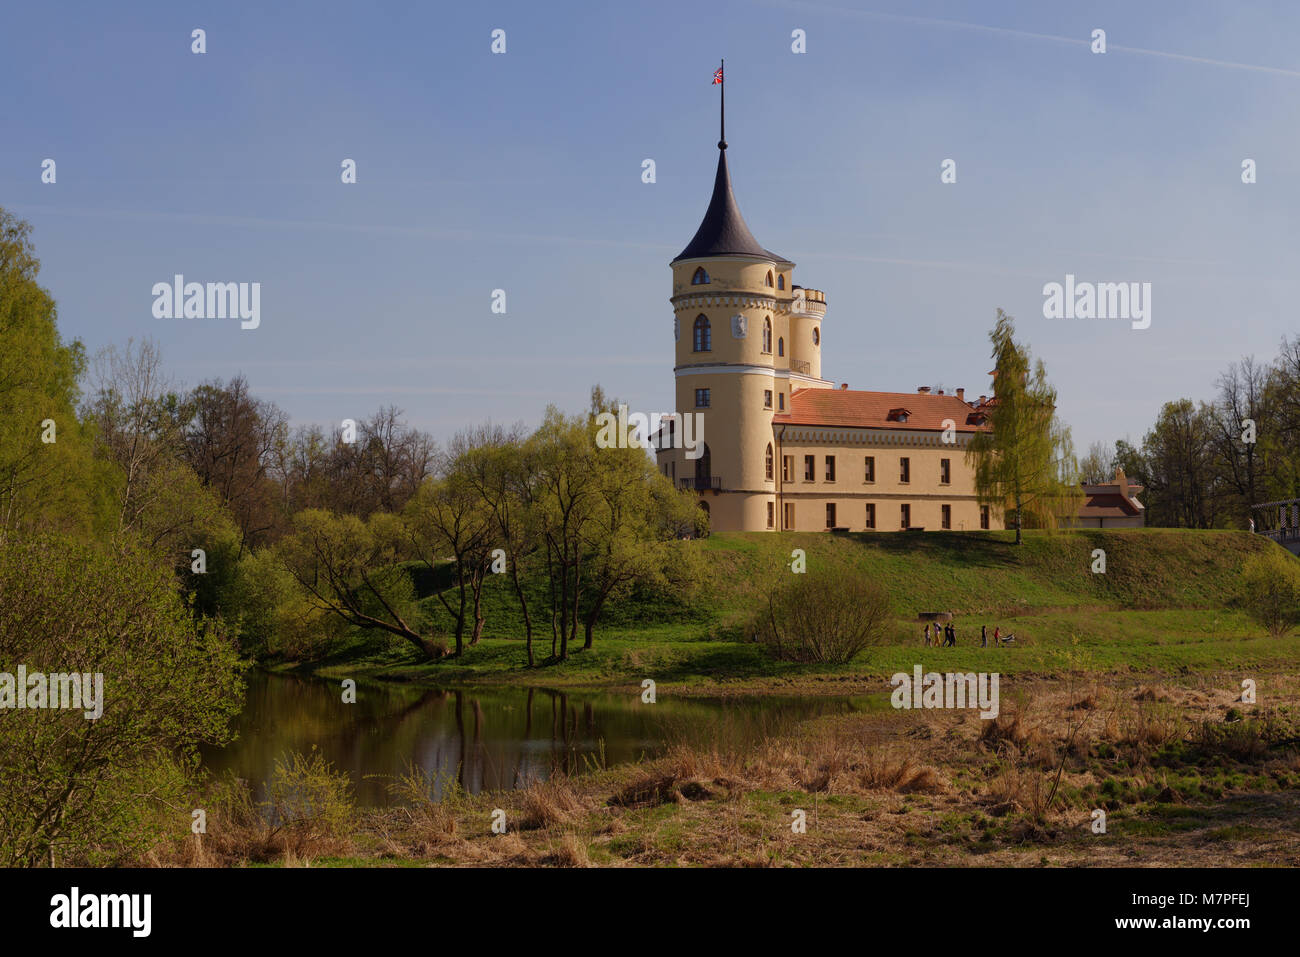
486 739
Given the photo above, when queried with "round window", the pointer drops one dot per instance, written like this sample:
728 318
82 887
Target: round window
817 337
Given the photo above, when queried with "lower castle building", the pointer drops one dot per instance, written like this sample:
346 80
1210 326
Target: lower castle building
785 448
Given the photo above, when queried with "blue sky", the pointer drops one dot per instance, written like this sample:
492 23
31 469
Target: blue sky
522 171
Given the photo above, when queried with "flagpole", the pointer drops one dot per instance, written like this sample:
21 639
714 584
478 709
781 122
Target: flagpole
722 130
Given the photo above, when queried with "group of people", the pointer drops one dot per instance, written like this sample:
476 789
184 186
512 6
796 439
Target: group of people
949 636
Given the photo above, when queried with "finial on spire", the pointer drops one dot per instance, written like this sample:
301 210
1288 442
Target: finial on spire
722 129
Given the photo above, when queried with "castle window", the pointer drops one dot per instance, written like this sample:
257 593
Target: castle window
780 401
945 471
701 398
787 468
871 515
810 468
788 508
945 521
817 336
703 334
768 463
767 398
869 469
904 468
780 282
767 335
769 277
780 347
700 278
984 516
905 516
771 514
830 468
830 514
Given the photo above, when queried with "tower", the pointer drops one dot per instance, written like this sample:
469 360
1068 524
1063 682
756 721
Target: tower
745 336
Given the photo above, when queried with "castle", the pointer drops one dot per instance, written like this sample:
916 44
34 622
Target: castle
784 448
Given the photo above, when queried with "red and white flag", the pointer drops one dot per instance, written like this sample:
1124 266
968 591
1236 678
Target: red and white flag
717 77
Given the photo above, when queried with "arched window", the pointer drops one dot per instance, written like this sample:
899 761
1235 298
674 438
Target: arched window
700 278
817 337
703 335
767 334
780 346
780 282
769 277
767 462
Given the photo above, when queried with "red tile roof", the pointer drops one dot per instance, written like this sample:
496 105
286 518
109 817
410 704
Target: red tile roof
1107 506
870 410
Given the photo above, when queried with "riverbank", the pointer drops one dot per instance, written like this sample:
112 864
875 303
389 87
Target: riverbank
1165 602
1178 773
1049 644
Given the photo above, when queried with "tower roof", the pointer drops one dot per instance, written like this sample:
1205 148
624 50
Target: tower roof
723 231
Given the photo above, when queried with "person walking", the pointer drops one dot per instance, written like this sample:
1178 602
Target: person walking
927 634
997 637
984 636
952 636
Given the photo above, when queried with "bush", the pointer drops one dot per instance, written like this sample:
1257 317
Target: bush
829 616
1270 586
308 798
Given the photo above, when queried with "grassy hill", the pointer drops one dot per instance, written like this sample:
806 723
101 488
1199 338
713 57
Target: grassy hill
1165 602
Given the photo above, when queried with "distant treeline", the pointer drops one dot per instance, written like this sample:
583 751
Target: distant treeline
1203 464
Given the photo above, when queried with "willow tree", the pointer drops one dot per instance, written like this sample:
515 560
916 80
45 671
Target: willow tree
1024 464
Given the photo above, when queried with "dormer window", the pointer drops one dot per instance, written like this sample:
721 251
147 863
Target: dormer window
700 278
898 415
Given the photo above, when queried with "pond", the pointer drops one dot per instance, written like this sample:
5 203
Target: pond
488 739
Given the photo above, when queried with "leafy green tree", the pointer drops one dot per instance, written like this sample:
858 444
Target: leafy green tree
1024 465
1270 588
448 517
48 478
80 791
353 570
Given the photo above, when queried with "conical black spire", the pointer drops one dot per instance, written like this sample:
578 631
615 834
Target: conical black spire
723 231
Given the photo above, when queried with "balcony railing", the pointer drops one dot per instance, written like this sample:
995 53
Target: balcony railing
701 483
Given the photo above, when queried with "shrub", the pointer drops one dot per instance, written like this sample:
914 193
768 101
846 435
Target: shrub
307 796
830 615
1270 586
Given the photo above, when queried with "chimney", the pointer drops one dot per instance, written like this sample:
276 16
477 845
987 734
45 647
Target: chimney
940 392
983 399
961 395
844 385
923 389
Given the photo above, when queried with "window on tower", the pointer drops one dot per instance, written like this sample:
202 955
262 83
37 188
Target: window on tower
780 282
780 346
701 398
817 336
700 278
767 335
768 463
703 335
769 277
